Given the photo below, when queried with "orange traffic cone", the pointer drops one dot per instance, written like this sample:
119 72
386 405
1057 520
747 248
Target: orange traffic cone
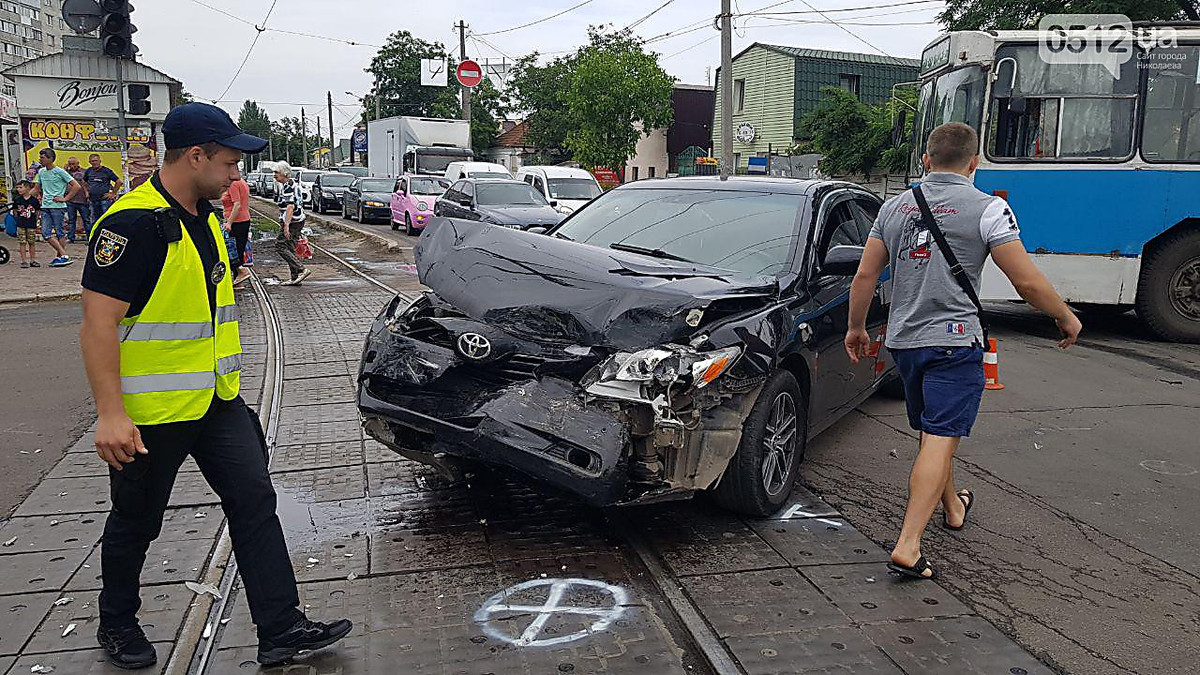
991 365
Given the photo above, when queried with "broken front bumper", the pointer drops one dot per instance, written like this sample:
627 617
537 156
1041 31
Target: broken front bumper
425 403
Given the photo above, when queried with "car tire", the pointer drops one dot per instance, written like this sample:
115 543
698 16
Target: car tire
745 487
1168 288
408 228
395 225
358 215
345 213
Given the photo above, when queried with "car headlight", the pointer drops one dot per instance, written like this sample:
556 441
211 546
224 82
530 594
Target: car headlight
667 364
372 202
564 209
327 193
422 206
401 312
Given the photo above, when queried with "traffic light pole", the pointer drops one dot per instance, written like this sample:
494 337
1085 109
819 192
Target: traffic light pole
122 128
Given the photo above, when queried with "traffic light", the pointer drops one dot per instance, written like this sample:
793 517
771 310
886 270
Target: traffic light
139 99
116 31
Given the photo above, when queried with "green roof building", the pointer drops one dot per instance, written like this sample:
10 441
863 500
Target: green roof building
775 86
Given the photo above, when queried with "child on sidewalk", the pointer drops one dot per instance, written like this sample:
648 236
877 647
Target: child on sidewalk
25 210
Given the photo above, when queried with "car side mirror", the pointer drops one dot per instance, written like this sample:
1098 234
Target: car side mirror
467 202
841 261
537 230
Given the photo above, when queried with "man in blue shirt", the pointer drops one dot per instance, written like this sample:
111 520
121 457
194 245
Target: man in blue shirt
56 187
102 184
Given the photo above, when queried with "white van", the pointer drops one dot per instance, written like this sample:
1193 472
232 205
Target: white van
566 187
460 170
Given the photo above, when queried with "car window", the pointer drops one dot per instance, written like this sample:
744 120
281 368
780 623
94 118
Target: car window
308 176
429 186
400 186
335 179
865 211
745 231
528 178
488 174
509 194
355 186
467 190
839 229
573 188
539 184
375 185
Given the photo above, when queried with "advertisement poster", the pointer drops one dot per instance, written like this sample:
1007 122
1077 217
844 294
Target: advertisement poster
82 138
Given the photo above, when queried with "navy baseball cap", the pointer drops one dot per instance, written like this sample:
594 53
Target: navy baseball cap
199 123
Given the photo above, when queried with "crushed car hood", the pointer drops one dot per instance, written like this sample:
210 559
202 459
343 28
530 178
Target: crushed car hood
551 289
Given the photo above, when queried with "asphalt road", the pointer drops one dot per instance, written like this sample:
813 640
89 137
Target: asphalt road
1082 545
46 403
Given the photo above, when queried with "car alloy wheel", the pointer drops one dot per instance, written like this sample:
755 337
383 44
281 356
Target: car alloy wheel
779 444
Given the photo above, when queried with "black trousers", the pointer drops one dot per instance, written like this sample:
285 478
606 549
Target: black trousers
241 234
229 448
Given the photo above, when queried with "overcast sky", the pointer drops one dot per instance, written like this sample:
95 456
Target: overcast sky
202 47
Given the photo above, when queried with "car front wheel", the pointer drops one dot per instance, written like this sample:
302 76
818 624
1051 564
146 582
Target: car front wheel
763 471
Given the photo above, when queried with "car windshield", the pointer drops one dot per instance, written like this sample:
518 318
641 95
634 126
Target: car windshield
573 188
429 186
360 171
377 185
434 163
336 180
750 232
487 174
309 176
508 194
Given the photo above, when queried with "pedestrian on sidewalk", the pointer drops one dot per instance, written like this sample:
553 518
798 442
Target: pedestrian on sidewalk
25 210
79 209
102 184
290 199
163 355
934 329
56 187
236 204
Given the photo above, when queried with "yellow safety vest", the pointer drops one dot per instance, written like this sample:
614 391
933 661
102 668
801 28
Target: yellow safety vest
176 354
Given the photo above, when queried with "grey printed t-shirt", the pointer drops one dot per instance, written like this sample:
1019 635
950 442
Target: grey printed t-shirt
928 307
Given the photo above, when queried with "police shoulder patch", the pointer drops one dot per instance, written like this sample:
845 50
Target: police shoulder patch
109 247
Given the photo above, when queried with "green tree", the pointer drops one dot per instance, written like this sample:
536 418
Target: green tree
1018 14
288 143
488 107
396 68
852 137
541 91
616 91
254 120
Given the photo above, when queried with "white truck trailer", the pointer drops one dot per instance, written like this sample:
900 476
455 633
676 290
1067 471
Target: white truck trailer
425 145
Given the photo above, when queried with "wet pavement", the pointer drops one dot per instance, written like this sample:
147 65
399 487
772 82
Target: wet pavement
488 576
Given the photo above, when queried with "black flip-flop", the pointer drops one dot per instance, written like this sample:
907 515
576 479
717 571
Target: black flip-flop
967 504
917 571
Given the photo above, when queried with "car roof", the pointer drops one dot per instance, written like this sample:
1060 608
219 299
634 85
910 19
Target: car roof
738 183
558 171
490 179
471 164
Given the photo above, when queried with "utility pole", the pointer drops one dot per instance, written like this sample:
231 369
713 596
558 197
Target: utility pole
462 55
271 144
303 139
329 100
124 128
319 135
727 168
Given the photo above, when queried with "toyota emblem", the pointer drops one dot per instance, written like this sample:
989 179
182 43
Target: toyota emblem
474 346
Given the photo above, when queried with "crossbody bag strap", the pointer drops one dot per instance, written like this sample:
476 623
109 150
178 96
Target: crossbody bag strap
956 268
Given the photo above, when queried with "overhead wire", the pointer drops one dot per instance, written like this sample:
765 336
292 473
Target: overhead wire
542 20
642 20
849 32
257 34
354 43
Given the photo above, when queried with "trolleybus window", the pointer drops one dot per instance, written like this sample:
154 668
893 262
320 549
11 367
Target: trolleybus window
956 96
1171 126
1046 111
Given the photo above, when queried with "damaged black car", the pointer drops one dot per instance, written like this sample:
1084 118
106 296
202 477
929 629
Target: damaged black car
674 336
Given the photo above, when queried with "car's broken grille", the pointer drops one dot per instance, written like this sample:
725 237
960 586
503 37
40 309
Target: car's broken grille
427 331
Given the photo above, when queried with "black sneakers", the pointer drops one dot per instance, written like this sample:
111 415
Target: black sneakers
127 648
303 637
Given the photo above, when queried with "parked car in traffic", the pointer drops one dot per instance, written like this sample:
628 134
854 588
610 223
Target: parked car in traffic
368 199
356 171
266 184
661 342
412 201
460 170
305 179
567 188
327 190
499 201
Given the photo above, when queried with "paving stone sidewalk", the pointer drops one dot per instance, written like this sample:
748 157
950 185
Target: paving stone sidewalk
42 283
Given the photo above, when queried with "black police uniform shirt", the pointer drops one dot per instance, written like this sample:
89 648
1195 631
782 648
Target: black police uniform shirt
126 254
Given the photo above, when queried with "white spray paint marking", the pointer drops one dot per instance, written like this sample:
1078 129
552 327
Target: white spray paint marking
1168 468
560 590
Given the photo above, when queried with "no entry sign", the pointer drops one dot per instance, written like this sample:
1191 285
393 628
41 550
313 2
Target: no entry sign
469 74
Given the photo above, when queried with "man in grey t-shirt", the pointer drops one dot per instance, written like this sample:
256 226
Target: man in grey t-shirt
933 330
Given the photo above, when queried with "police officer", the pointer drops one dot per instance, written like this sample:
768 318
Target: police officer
163 356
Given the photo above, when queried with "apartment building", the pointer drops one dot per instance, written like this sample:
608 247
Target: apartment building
29 29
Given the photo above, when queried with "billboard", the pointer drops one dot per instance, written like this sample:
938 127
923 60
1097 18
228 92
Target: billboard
81 138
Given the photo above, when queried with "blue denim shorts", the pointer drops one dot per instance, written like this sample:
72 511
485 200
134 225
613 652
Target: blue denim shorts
52 223
942 387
